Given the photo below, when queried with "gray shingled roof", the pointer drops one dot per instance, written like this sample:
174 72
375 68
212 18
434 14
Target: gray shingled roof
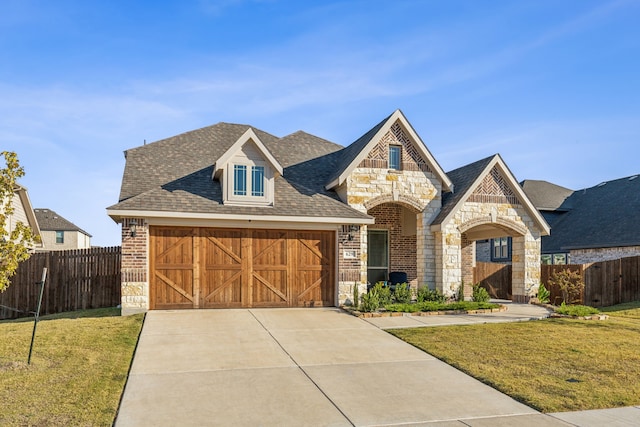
607 215
174 175
545 195
49 220
349 153
462 179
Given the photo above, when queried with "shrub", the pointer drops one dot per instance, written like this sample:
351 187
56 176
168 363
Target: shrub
461 292
356 296
402 294
480 294
570 284
543 294
370 301
383 292
576 310
425 294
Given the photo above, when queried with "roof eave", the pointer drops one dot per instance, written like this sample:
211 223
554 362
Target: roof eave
117 215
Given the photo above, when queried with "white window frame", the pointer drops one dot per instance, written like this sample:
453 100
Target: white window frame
249 199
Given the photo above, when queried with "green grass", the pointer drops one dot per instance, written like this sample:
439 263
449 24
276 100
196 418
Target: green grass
551 365
78 369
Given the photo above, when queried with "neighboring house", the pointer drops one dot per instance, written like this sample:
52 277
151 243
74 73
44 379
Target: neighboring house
231 216
23 212
589 225
59 234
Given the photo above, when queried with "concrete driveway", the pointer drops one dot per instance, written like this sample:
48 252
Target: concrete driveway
316 367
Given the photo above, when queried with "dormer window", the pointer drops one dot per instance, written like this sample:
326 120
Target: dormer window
242 187
394 157
249 182
247 172
239 180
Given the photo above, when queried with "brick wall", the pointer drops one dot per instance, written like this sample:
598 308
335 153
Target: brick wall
402 248
135 285
584 256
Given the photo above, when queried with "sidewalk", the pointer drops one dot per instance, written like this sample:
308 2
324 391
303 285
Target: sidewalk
617 417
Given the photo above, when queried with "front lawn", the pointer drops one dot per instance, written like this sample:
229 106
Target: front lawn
78 369
552 365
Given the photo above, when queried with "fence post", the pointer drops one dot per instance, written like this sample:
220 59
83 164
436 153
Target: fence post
37 313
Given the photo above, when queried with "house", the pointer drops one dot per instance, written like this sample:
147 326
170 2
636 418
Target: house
231 216
23 212
589 225
60 234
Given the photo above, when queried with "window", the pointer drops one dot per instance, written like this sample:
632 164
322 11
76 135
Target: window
394 157
546 259
248 183
501 249
60 237
239 180
257 181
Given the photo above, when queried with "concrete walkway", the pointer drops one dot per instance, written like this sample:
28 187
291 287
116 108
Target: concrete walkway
316 367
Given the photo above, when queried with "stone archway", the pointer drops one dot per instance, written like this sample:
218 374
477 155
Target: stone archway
491 228
455 247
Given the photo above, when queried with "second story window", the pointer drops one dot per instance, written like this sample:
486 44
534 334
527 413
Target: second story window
257 181
394 157
239 180
60 237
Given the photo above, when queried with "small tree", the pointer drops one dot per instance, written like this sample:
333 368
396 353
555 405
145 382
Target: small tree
15 239
570 284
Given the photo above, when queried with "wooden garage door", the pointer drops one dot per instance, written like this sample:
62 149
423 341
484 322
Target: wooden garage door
210 267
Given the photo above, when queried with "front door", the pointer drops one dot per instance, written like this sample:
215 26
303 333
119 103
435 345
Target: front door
378 258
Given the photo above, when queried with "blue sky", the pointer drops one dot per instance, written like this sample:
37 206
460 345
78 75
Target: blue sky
553 86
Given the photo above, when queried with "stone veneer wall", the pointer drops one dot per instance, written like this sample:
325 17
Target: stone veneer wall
135 283
525 249
584 256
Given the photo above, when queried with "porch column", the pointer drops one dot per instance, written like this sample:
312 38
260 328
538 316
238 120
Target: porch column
468 253
526 267
448 261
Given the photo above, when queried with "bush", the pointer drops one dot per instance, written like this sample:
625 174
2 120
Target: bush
356 296
576 310
570 284
543 294
460 296
480 294
425 294
370 301
383 292
402 294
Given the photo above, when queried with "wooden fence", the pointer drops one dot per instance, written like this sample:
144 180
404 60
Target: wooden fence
76 280
495 278
606 282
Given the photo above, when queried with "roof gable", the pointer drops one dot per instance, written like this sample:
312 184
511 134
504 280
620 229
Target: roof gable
397 128
487 181
249 137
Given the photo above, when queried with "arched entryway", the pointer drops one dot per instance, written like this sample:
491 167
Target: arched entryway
392 243
494 228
